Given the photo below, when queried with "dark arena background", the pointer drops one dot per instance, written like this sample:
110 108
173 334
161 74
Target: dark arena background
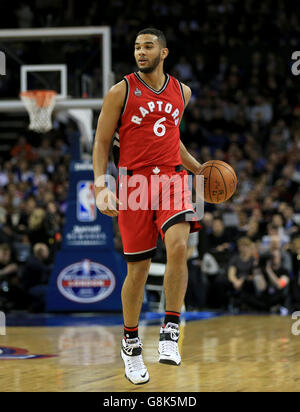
61 260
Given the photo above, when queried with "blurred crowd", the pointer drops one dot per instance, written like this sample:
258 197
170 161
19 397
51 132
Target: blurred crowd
33 195
245 110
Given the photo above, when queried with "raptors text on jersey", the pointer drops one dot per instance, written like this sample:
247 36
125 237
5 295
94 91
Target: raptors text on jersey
149 125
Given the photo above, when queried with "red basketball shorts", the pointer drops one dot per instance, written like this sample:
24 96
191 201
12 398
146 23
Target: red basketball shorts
153 199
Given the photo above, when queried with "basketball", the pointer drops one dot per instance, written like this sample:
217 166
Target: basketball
220 181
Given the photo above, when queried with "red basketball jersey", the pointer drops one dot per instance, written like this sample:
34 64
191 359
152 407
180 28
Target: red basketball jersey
149 130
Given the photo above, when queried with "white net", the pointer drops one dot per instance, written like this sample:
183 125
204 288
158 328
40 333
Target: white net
39 104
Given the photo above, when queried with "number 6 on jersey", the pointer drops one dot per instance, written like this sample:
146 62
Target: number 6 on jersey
158 126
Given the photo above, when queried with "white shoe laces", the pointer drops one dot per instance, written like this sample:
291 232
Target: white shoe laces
170 345
173 332
130 346
136 363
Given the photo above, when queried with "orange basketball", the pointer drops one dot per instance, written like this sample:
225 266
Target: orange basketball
220 181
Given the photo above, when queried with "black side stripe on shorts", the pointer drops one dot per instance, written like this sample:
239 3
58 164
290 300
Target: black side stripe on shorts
176 219
140 256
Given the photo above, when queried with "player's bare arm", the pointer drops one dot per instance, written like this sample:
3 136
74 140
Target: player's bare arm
188 161
107 124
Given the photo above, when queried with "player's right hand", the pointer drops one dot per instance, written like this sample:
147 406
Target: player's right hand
106 201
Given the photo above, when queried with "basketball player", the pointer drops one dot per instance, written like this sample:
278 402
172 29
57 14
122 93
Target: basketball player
146 108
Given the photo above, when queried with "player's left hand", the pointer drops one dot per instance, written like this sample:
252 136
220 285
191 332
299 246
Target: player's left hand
107 202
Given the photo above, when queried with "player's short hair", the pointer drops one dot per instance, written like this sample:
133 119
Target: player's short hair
158 33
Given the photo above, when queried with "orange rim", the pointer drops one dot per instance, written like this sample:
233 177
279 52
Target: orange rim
43 98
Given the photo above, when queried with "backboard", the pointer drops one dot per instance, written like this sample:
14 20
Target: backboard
73 61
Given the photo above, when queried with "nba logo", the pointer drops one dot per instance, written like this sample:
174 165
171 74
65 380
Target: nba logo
138 92
86 205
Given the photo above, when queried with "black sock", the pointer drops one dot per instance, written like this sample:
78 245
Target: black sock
131 333
172 317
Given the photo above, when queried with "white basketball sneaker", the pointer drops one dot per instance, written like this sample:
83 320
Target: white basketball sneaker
135 369
168 344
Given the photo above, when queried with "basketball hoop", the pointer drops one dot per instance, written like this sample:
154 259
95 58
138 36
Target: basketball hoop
39 104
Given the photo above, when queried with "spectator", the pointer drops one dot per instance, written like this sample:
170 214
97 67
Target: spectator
196 295
8 278
26 208
45 150
184 69
39 175
4 172
276 245
7 265
35 276
23 171
279 223
36 227
273 232
291 227
253 232
245 282
261 111
52 227
23 150
278 283
217 245
216 251
295 279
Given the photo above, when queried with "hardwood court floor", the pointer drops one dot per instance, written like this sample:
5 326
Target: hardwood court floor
228 353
